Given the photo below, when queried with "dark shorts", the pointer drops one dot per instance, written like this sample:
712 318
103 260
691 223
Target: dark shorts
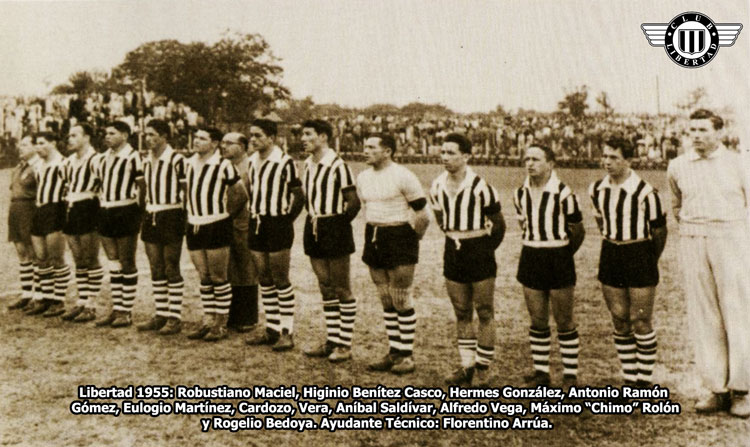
388 247
334 237
120 221
210 236
20 217
163 227
48 219
270 234
473 262
628 265
82 217
546 268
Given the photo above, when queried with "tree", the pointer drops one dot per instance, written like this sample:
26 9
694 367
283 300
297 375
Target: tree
82 83
574 102
694 100
420 109
228 81
603 101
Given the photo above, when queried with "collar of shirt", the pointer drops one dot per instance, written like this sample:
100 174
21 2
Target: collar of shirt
275 156
165 154
86 154
465 183
34 161
124 151
55 158
553 184
214 159
694 156
326 160
629 185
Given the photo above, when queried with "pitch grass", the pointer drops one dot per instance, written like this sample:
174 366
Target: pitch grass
44 361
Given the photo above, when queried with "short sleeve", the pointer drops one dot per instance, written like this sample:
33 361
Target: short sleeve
410 186
572 211
290 174
654 212
434 201
346 179
137 166
592 196
491 203
231 176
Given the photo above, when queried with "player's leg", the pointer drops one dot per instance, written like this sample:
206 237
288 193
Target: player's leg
269 300
641 310
25 254
114 268
381 279
562 302
340 274
157 265
331 308
55 243
483 296
175 287
461 298
94 274
537 304
618 303
400 281
126 247
46 276
199 258
278 262
81 274
218 264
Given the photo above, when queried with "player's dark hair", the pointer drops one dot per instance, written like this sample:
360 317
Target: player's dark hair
160 126
386 141
120 126
86 128
242 139
47 136
623 145
702 114
267 126
464 145
213 133
320 127
549 154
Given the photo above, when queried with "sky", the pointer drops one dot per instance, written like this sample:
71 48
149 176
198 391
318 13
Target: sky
468 55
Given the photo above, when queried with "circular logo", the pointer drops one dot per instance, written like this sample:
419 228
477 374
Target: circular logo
692 40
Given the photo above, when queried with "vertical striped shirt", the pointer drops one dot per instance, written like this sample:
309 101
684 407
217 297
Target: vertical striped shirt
119 172
468 208
270 183
50 180
82 175
545 219
207 184
163 178
628 212
324 184
709 190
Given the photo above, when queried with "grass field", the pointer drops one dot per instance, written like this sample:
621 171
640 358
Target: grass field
44 361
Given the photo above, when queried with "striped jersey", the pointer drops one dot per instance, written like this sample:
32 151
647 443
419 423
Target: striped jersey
163 178
270 183
468 209
119 172
50 180
82 175
324 183
207 184
628 211
545 218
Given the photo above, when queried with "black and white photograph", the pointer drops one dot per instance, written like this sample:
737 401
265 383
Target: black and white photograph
375 223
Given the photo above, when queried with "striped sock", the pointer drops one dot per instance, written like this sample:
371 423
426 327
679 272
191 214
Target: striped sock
129 287
36 290
407 325
467 351
223 297
47 281
348 314
646 355
207 299
332 314
540 347
115 284
161 301
176 291
270 300
485 354
569 347
391 329
62 277
286 308
26 275
95 277
626 352
82 284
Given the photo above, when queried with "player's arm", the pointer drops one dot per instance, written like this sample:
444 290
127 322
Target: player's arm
594 208
298 201
676 194
574 219
497 232
352 205
422 220
140 183
657 223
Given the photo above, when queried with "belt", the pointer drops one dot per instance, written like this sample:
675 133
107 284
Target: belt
634 241
80 196
375 227
546 244
458 236
151 208
116 203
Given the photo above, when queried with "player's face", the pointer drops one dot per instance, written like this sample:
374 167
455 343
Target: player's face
202 142
536 162
613 161
76 138
43 147
231 147
310 139
113 138
154 141
374 152
26 148
452 157
702 135
258 139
